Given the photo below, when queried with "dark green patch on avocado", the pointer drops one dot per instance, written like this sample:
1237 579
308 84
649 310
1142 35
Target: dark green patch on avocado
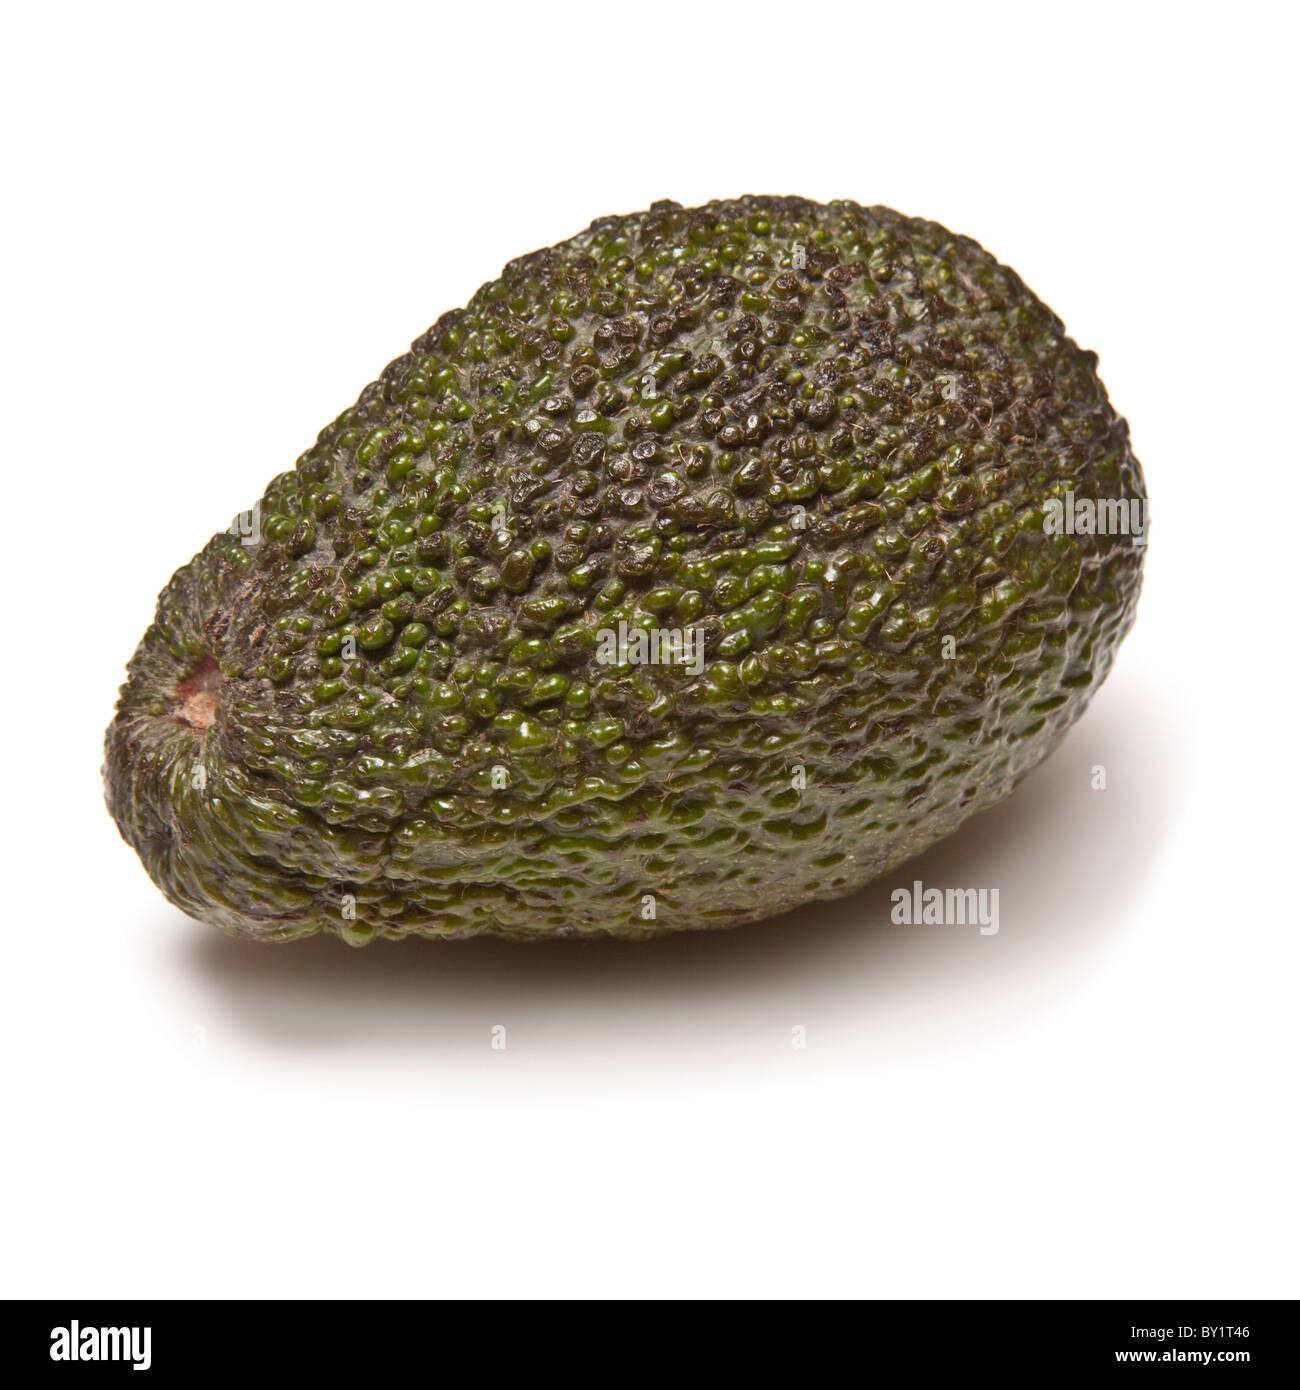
820 439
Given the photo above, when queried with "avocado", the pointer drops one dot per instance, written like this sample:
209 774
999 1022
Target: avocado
712 561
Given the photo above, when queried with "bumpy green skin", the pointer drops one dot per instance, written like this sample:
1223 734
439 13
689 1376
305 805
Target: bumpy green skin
822 435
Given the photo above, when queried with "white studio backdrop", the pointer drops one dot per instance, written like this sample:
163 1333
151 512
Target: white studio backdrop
219 227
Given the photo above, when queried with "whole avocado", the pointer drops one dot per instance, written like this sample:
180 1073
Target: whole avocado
703 565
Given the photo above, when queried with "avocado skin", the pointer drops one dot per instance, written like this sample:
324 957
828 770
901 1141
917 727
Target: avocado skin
822 435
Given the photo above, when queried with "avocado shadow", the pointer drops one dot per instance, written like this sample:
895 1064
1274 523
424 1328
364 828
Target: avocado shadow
1069 861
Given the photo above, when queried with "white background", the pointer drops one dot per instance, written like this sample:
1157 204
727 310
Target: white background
219 224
